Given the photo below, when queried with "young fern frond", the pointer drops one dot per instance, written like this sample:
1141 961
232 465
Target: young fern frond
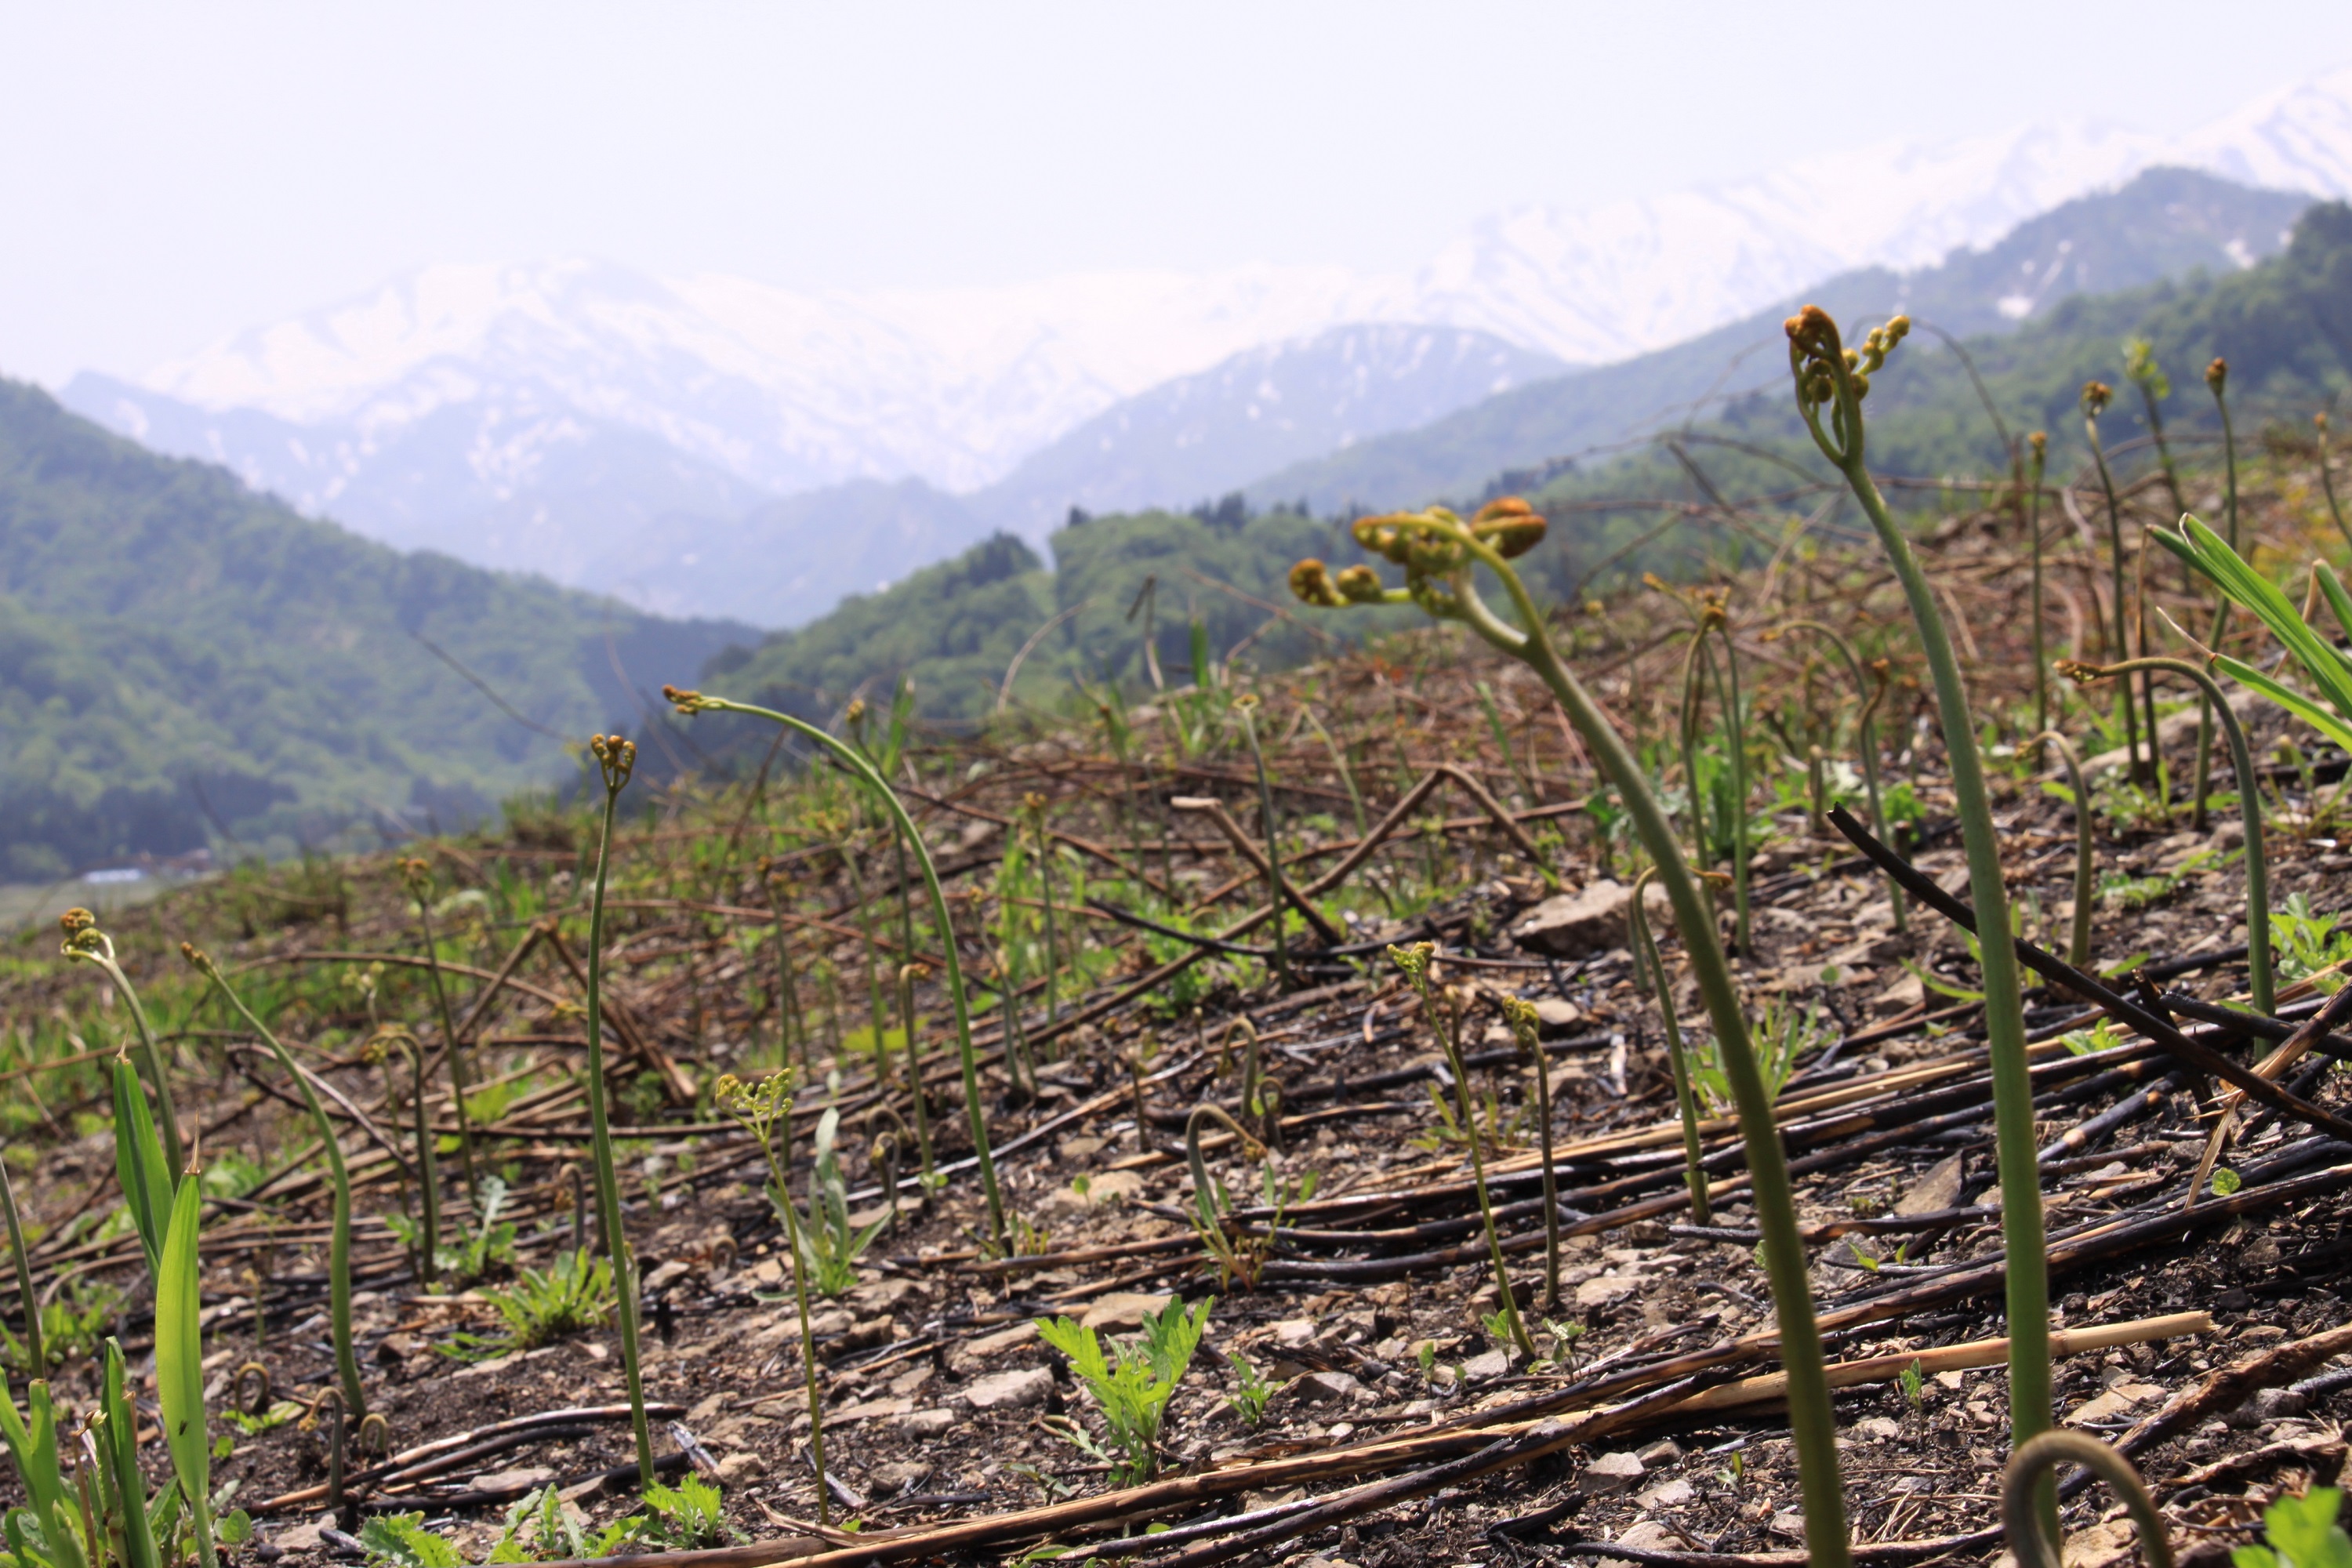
1441 555
1830 383
692 702
84 940
339 1245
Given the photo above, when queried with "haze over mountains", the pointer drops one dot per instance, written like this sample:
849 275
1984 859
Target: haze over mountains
673 440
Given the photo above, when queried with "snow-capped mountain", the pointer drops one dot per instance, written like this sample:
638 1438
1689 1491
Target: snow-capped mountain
523 374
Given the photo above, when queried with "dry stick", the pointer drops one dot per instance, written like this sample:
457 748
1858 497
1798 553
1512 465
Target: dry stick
1216 812
2190 1052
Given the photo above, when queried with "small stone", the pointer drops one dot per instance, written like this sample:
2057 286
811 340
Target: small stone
1878 1428
736 1468
898 1477
1122 1310
394 1349
1577 924
2268 1404
1612 1472
1325 1388
1650 1536
997 1343
882 1295
1075 1150
1664 1452
1670 1493
1789 1522
927 1423
1939 1188
666 1275
1010 1390
513 1481
1292 1332
1557 1017
1488 1364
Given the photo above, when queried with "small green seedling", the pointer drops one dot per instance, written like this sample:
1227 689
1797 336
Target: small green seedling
1133 1394
2300 1533
1251 1390
1913 1386
540 1307
687 1517
401 1541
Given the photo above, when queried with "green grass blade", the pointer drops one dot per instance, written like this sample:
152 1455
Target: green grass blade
2288 698
139 1165
121 1457
2259 595
178 1365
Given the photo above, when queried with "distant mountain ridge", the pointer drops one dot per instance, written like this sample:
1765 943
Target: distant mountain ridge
552 414
2166 223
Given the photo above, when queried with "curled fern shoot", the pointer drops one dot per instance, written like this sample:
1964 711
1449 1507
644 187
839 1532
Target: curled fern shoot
84 940
2029 1530
1441 556
339 1181
692 702
2250 810
1830 388
616 758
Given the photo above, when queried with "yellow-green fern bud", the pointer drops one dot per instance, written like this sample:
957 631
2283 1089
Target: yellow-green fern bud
1311 583
1509 525
2096 395
1360 585
2217 375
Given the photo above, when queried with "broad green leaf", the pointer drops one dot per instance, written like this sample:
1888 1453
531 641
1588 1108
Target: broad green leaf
2288 698
138 1163
2258 594
179 1347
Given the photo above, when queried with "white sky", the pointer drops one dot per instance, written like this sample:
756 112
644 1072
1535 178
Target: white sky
170 174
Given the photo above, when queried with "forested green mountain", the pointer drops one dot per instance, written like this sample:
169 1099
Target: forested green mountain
2286 327
2167 224
183 663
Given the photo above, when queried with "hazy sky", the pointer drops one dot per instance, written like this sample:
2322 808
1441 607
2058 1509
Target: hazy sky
170 174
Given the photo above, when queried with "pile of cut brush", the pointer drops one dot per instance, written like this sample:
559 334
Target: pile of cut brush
1625 1086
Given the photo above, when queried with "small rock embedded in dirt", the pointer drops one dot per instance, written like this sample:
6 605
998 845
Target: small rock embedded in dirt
1488 1364
1326 1387
1939 1188
928 1423
1610 1473
1292 1332
739 1467
1556 1016
1003 1340
394 1349
899 1475
668 1275
1878 1428
1789 1522
2268 1404
511 1480
1673 1492
1010 1390
1577 924
1664 1452
1123 1309
1650 1536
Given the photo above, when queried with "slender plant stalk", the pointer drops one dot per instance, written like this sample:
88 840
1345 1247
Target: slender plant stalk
339 1245
2039 444
2094 401
2327 479
1246 706
1414 962
2250 811
691 702
1036 805
85 941
617 758
1817 362
1645 950
420 887
1734 742
2217 378
873 954
761 1108
2078 944
1347 774
2154 386
1869 693
1521 1015
2030 1537
29 1300
120 1438
1439 554
428 1159
791 1027
908 975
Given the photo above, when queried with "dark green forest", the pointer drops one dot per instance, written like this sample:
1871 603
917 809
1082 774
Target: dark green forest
186 664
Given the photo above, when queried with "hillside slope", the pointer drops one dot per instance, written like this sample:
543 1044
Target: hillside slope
183 664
